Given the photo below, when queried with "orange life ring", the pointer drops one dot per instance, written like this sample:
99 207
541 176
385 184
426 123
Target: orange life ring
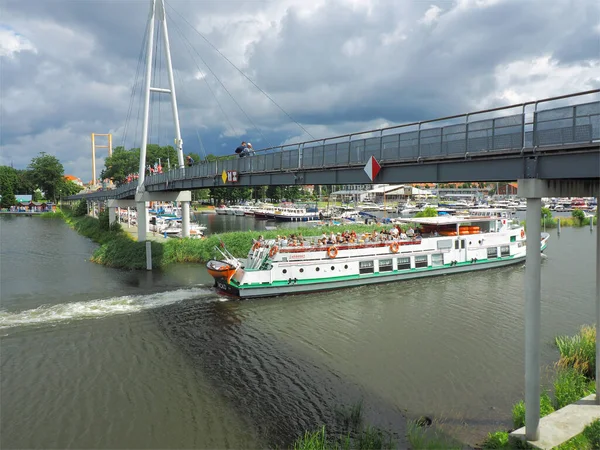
522 233
394 247
256 246
332 252
273 251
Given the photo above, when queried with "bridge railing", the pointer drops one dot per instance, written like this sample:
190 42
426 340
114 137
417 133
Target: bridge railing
510 128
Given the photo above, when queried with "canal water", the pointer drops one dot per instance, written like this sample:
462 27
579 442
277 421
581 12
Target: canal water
93 357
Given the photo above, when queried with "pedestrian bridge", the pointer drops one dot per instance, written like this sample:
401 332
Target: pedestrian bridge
537 139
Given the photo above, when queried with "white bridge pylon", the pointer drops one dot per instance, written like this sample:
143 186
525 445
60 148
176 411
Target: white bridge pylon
157 14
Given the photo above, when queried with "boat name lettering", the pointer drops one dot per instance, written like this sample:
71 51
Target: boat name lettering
297 256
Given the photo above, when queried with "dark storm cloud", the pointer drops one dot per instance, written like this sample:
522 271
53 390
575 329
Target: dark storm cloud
336 66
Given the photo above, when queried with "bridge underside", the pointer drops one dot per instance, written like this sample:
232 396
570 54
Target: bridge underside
581 164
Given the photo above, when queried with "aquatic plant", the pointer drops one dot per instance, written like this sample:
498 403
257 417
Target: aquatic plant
350 416
579 351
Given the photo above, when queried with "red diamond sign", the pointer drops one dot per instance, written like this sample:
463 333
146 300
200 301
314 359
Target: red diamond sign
372 168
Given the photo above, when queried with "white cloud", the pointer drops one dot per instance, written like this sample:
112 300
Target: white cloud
335 66
431 15
528 80
12 43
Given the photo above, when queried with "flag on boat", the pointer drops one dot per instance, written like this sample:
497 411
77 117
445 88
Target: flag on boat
372 168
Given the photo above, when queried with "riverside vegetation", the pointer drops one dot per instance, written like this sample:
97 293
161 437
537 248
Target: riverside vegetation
574 379
117 248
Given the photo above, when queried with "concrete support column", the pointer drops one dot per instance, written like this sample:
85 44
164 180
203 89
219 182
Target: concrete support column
597 309
532 318
185 219
112 216
142 221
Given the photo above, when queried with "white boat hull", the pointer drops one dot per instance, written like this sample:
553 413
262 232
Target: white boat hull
360 280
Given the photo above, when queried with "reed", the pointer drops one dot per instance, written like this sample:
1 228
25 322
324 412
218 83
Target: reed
350 416
430 438
579 351
313 441
570 386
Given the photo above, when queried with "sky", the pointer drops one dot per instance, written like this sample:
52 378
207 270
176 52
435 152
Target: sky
69 68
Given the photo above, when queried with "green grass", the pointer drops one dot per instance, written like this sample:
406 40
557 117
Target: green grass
430 438
52 215
518 411
579 351
589 439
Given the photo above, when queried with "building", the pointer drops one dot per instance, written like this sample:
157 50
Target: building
74 179
24 199
507 189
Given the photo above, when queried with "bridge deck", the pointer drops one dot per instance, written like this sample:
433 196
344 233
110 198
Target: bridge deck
428 153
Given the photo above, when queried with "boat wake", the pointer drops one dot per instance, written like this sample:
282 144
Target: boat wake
128 304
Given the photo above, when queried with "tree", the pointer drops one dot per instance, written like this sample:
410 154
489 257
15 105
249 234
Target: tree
81 209
9 180
579 216
546 214
47 173
8 198
427 212
67 187
274 193
120 164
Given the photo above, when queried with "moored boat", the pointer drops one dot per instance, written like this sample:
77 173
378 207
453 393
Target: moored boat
437 246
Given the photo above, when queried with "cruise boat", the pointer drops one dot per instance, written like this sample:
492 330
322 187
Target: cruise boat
438 246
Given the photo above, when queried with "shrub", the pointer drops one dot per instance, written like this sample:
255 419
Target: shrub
592 433
81 209
579 351
579 216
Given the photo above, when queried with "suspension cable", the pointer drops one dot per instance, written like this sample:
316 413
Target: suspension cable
134 86
202 74
240 71
178 81
225 88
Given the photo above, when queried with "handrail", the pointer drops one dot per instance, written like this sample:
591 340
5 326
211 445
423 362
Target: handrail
455 116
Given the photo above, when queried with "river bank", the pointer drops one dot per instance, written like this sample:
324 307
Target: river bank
573 379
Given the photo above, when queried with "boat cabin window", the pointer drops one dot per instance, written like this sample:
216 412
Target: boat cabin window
505 250
492 252
421 261
403 263
437 259
385 265
366 267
